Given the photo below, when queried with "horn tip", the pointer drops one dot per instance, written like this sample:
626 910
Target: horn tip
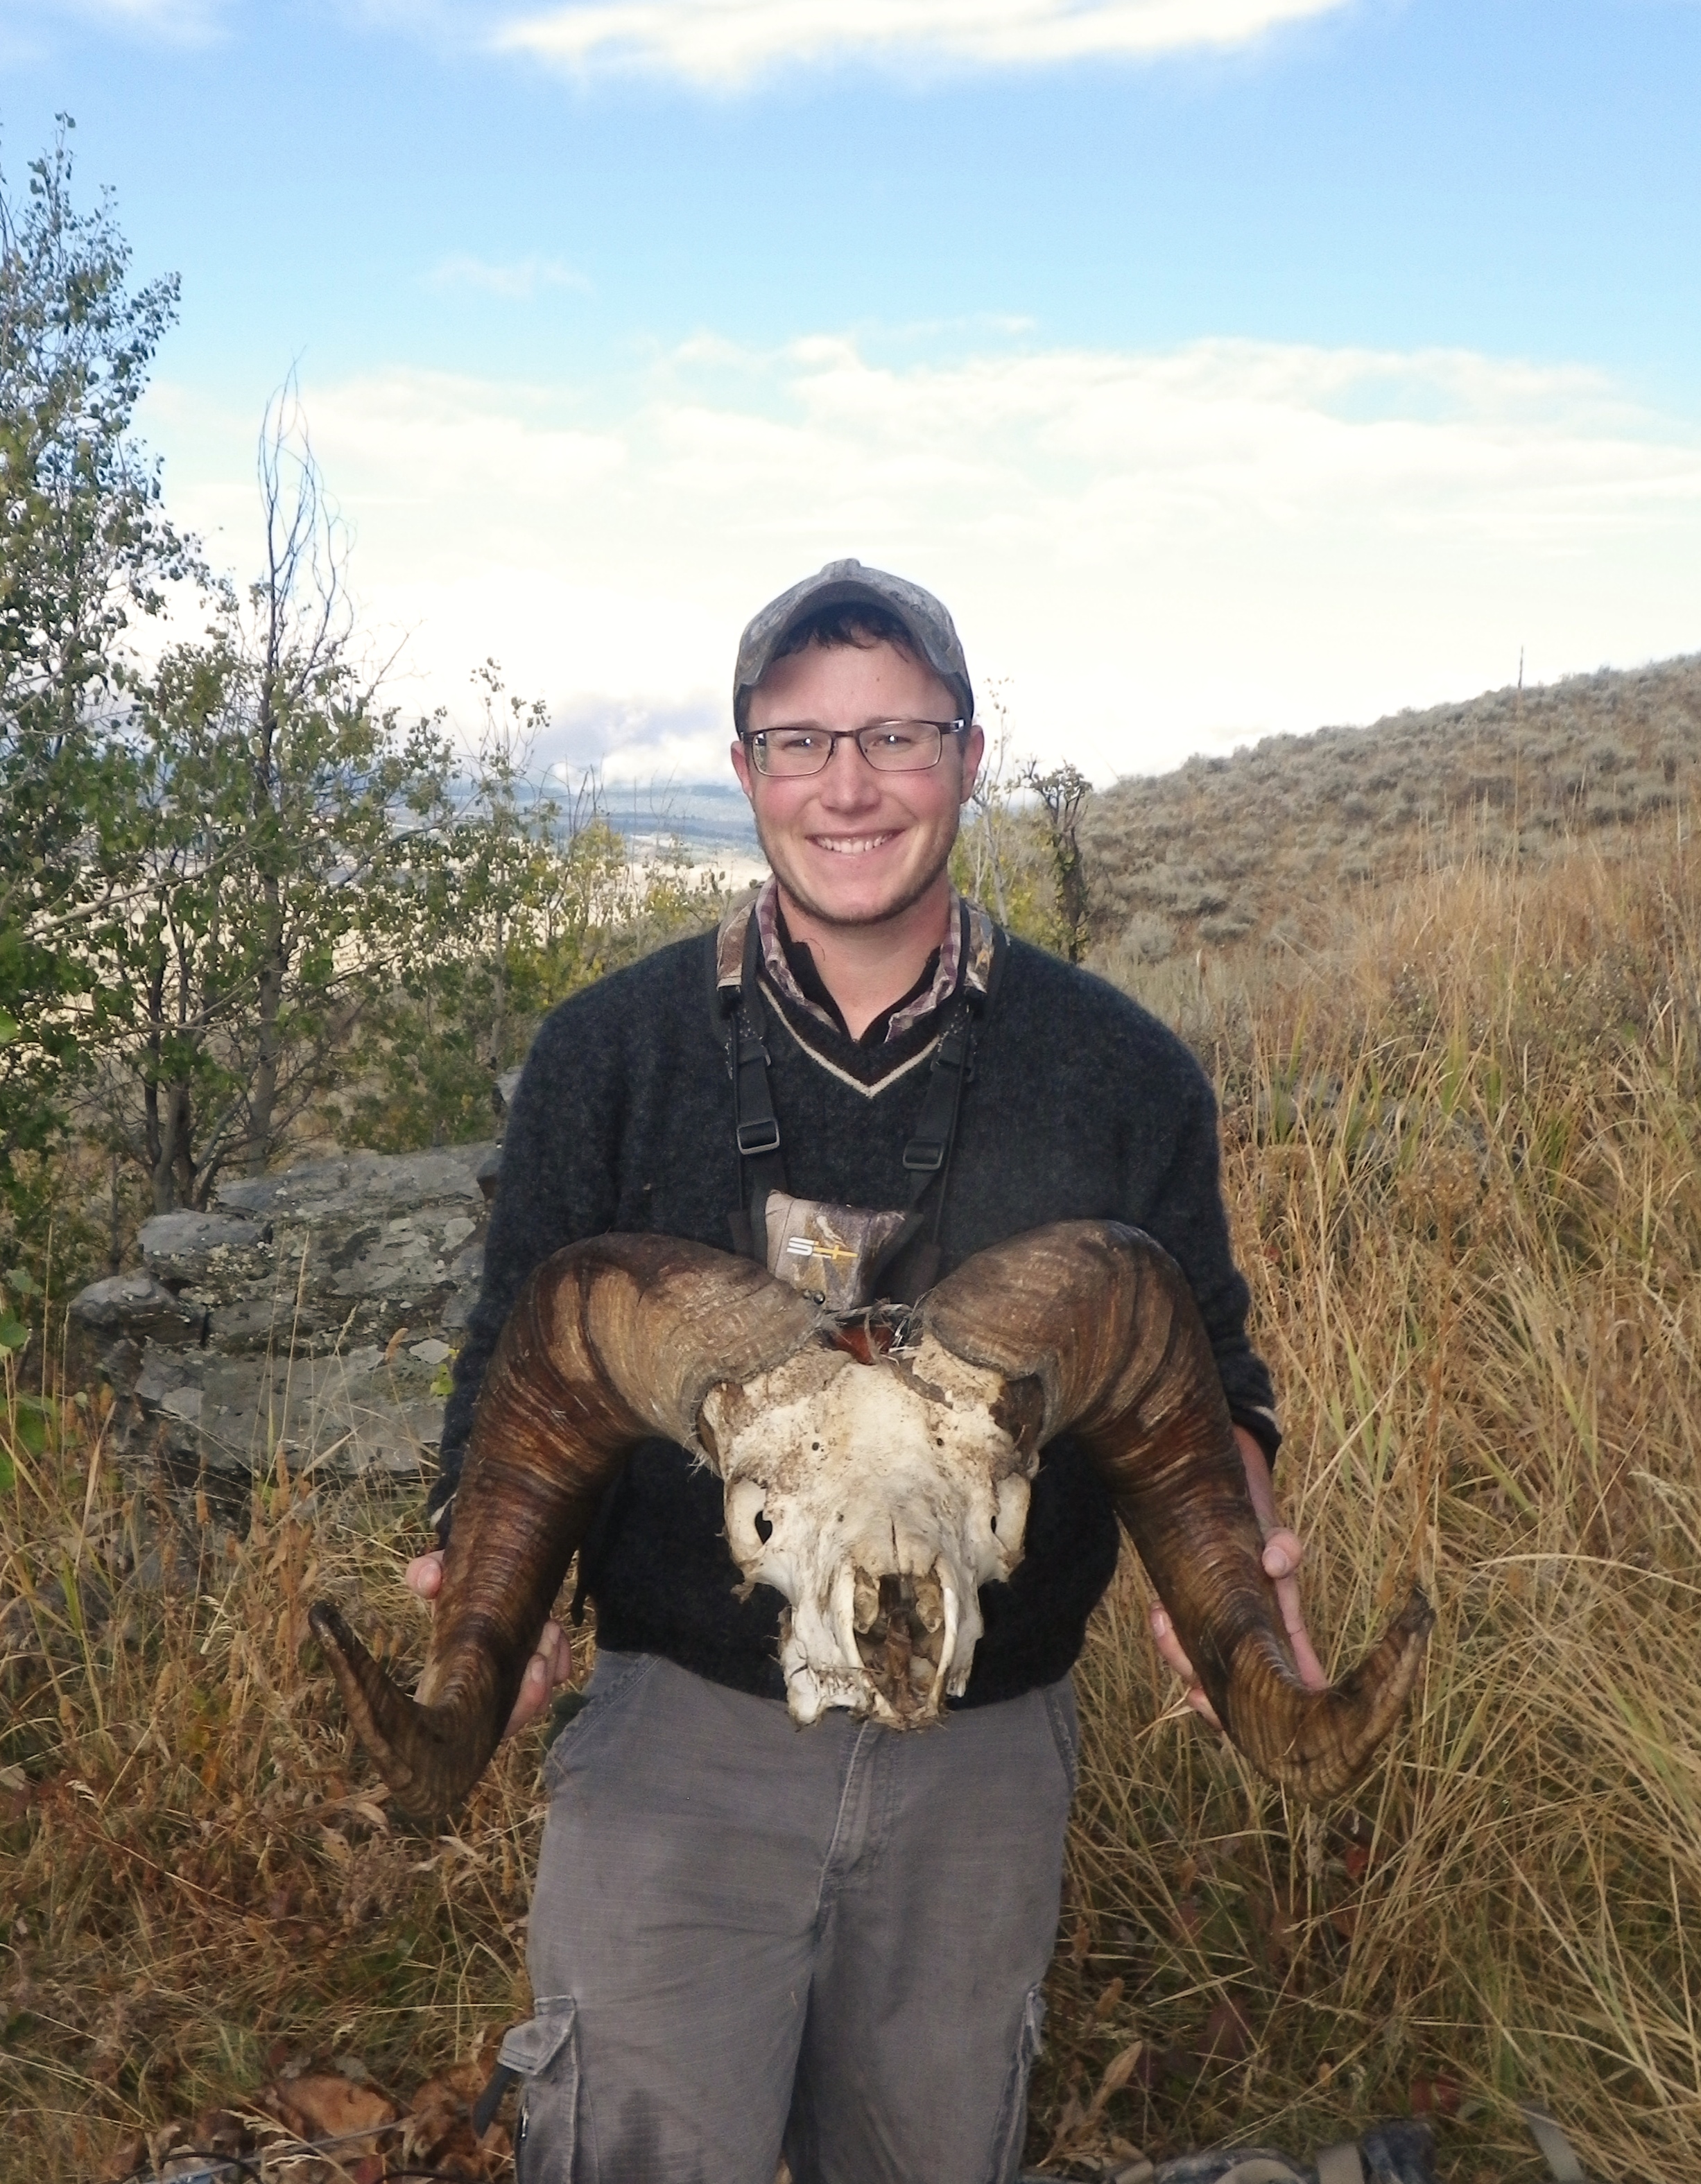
1417 1618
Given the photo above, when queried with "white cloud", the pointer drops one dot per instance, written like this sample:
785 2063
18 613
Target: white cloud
518 282
1161 552
724 42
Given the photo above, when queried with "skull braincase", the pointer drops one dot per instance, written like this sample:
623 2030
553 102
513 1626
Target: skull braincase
876 1497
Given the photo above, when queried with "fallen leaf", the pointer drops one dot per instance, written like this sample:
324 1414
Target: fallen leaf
435 2093
453 2149
1433 2096
125 2159
1117 2075
220 2130
326 2107
461 2081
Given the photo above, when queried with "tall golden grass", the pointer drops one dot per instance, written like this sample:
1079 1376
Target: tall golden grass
1461 1158
203 1889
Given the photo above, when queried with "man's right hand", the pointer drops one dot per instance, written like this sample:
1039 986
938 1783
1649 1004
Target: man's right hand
551 1665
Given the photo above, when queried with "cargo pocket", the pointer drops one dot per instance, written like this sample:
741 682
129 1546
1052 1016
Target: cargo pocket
544 2052
1012 2110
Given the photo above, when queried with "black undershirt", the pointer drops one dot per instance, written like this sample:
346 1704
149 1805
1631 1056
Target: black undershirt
800 958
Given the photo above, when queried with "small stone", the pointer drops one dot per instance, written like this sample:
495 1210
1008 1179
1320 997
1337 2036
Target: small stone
137 1306
430 1353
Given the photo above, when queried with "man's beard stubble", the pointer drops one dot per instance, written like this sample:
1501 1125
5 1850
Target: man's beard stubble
906 902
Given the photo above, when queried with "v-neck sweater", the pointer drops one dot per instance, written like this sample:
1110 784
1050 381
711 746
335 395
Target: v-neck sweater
1080 1107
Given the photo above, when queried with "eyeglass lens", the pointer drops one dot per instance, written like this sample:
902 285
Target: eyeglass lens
889 746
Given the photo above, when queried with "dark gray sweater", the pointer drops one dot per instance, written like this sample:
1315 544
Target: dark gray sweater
1080 1107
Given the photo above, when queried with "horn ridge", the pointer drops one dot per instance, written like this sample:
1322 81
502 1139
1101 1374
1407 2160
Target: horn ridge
612 1340
1103 1318
1318 1744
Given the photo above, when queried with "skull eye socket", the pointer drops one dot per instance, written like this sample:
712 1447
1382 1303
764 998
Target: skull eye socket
748 1527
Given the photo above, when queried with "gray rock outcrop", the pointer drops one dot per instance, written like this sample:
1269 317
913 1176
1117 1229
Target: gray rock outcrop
314 1312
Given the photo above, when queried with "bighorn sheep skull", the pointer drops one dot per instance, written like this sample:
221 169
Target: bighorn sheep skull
876 1492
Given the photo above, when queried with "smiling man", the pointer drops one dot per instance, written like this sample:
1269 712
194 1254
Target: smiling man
746 1936
859 837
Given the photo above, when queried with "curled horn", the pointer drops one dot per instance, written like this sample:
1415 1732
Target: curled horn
612 1340
1101 1322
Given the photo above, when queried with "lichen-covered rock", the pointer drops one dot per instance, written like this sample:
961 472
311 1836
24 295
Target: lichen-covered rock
315 1312
211 1257
362 1245
346 1414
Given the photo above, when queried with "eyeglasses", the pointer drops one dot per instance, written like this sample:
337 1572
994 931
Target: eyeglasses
889 746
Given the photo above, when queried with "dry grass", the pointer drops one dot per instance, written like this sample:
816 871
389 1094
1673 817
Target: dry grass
203 1890
1461 1158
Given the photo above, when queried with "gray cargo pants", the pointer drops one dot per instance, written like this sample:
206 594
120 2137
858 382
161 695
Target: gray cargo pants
748 1935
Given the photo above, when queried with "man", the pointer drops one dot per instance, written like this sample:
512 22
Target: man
744 1935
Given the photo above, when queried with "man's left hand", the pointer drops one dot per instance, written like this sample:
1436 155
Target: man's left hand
552 1664
1283 1554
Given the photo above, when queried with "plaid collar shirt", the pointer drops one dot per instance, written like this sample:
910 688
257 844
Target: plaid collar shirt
781 976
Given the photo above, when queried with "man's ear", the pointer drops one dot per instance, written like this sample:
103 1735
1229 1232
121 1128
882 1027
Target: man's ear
973 750
741 766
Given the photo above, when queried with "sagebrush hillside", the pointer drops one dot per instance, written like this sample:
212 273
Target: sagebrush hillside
1241 848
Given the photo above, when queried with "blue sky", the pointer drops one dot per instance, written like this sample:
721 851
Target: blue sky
1227 364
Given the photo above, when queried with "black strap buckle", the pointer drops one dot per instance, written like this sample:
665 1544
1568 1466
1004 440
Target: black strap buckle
924 1157
760 1136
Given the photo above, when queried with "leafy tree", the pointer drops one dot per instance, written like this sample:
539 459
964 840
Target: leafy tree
84 547
533 895
281 831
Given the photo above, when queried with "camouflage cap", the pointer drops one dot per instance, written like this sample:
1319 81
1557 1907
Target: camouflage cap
848 583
